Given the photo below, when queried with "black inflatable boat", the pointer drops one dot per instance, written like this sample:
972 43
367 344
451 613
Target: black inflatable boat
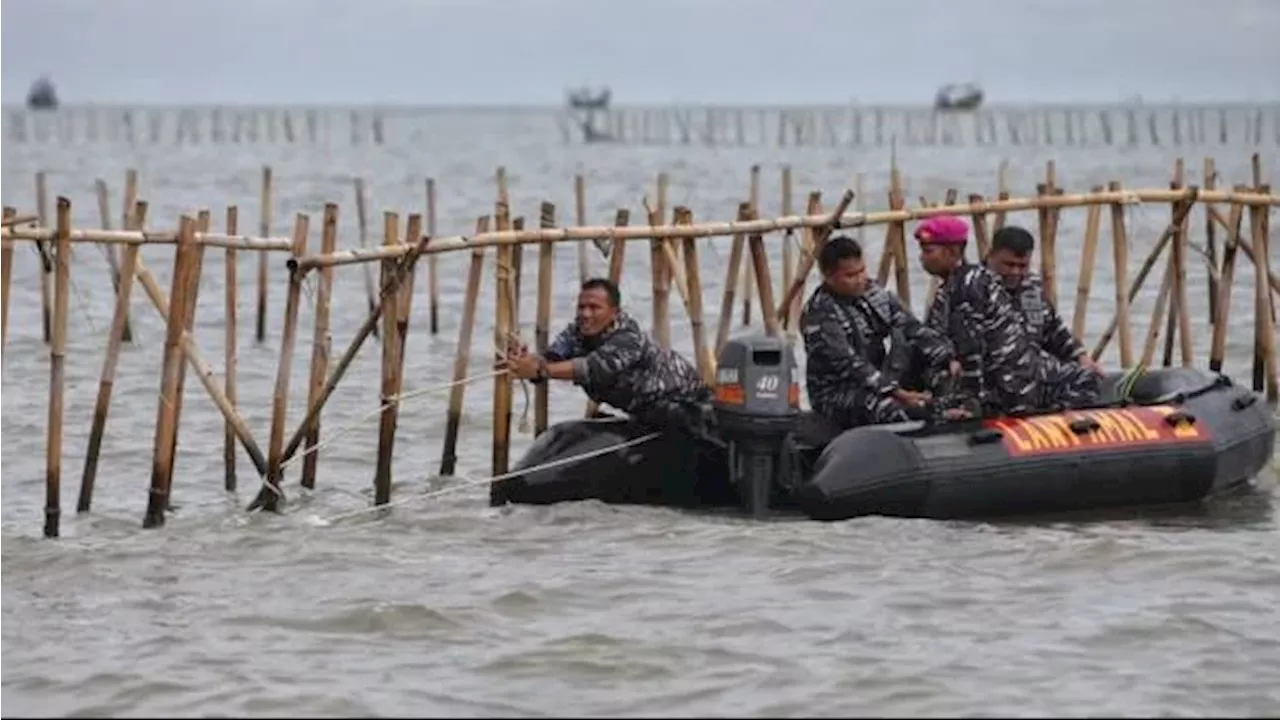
1172 435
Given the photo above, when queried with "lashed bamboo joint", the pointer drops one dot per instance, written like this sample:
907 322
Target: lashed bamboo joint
748 279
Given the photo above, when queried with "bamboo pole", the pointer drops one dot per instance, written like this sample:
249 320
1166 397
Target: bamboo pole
760 262
1092 225
1210 180
542 323
466 325
1002 194
231 283
788 253
390 356
1157 315
580 208
617 255
129 268
1048 235
807 261
703 356
748 277
979 221
1264 347
42 204
1122 310
813 206
1217 349
897 201
264 229
1245 248
722 228
162 468
660 270
270 496
433 276
57 373
1182 207
340 368
731 275
156 237
413 229
362 225
660 282
113 261
501 328
192 354
17 219
130 200
188 326
321 346
517 272
6 275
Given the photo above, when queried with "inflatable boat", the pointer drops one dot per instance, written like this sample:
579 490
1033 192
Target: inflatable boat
1170 435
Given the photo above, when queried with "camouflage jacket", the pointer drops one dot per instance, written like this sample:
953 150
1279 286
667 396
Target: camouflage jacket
1045 326
625 368
844 340
997 356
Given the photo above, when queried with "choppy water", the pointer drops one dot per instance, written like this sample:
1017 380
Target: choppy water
448 607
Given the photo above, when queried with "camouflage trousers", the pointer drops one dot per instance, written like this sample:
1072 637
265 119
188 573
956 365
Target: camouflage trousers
1066 385
691 417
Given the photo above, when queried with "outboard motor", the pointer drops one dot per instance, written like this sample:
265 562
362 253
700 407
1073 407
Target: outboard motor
757 406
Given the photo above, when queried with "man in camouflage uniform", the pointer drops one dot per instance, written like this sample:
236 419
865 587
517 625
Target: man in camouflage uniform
845 324
971 306
1069 376
605 352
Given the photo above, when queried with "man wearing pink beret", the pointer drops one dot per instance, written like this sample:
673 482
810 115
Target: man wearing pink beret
971 307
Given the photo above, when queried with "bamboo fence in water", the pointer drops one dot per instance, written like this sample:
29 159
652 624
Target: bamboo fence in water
1236 222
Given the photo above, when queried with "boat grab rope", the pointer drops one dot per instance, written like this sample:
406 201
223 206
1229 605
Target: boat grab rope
473 482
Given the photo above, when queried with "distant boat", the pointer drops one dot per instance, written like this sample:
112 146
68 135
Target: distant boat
582 99
966 96
42 95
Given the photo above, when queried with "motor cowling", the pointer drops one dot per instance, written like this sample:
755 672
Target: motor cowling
757 408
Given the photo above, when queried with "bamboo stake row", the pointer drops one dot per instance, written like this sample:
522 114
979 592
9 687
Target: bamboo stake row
747 227
674 264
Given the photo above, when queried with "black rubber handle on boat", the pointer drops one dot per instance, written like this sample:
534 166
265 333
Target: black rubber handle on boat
984 436
1083 425
1243 401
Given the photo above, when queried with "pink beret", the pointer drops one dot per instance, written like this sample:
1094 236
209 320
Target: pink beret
943 230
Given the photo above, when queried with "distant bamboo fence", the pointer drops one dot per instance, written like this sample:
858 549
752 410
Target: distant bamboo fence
1042 125
1236 223
848 125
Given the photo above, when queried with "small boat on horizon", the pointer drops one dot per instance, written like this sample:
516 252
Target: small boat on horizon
42 95
963 96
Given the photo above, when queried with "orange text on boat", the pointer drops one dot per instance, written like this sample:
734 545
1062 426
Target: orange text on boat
1112 428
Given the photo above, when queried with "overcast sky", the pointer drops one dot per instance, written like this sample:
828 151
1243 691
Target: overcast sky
652 51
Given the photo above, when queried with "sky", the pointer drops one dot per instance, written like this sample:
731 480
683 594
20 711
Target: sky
522 52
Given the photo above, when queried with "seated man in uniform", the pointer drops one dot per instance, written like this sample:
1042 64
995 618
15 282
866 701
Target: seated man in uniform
605 352
1010 258
845 324
1002 368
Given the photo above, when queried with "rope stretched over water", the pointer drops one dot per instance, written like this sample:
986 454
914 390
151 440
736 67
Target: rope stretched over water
393 401
473 482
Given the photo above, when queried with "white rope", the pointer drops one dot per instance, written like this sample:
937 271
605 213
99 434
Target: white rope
488 480
391 402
